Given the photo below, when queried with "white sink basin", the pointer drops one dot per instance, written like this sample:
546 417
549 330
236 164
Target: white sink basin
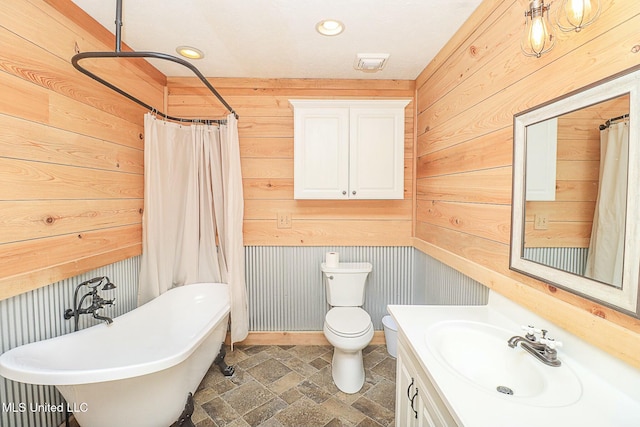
478 353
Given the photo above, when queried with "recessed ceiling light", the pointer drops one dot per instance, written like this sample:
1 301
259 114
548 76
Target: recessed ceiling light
190 52
329 27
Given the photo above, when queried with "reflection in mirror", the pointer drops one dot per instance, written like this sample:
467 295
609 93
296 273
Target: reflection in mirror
576 182
576 202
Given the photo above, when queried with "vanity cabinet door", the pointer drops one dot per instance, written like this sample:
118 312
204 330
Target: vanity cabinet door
405 389
417 401
410 409
426 417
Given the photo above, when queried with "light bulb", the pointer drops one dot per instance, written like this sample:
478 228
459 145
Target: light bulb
330 27
538 34
576 14
577 11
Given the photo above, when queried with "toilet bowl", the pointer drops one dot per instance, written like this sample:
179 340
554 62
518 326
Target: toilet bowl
347 327
349 330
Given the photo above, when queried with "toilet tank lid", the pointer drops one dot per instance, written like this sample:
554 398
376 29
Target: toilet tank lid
347 267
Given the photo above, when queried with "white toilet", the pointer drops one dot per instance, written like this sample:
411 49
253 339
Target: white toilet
347 326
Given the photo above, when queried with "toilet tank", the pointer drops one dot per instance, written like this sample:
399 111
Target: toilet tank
345 283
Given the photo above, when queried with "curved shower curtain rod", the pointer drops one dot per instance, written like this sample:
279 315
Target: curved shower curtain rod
118 53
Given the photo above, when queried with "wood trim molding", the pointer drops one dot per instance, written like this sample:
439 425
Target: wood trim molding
615 339
295 338
22 283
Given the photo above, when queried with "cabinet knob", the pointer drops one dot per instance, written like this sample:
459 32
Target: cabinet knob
353 192
344 193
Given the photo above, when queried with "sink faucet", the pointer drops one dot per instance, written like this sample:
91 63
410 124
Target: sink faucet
97 302
543 349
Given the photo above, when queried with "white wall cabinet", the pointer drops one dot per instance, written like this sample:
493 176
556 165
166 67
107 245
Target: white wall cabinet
417 401
541 157
349 149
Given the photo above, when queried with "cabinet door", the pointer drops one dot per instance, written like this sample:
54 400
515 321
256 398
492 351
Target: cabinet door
405 390
376 157
417 401
425 416
321 145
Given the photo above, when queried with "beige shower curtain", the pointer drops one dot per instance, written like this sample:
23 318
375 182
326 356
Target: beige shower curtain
193 195
606 248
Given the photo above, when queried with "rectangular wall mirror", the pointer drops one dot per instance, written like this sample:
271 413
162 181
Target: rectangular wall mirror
576 192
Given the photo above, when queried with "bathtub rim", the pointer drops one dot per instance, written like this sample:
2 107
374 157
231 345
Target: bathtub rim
13 369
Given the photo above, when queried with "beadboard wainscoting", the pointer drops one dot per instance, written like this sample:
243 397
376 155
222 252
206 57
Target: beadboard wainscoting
38 315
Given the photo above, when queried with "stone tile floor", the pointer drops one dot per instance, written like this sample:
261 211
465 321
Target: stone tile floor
282 386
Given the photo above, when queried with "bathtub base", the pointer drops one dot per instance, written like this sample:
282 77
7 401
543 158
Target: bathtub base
185 417
153 400
226 370
137 371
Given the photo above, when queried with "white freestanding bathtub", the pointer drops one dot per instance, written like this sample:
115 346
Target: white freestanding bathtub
139 370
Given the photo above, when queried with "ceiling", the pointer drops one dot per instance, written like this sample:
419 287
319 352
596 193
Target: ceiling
277 38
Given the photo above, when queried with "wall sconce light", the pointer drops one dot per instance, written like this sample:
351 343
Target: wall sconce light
538 37
574 15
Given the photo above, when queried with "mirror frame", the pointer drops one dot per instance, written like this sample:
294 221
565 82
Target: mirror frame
623 299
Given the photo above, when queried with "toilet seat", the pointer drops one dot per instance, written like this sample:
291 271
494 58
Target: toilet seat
348 322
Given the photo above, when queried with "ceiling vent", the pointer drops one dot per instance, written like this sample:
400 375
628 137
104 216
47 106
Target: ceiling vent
370 62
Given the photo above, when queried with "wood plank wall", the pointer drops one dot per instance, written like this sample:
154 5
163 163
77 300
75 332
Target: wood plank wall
71 159
466 99
266 147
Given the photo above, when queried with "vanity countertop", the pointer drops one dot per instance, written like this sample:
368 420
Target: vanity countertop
610 388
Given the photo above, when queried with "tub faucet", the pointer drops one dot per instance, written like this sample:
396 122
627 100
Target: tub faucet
543 349
97 302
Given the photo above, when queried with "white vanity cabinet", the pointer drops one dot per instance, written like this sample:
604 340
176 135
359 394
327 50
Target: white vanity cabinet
417 401
454 361
348 149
